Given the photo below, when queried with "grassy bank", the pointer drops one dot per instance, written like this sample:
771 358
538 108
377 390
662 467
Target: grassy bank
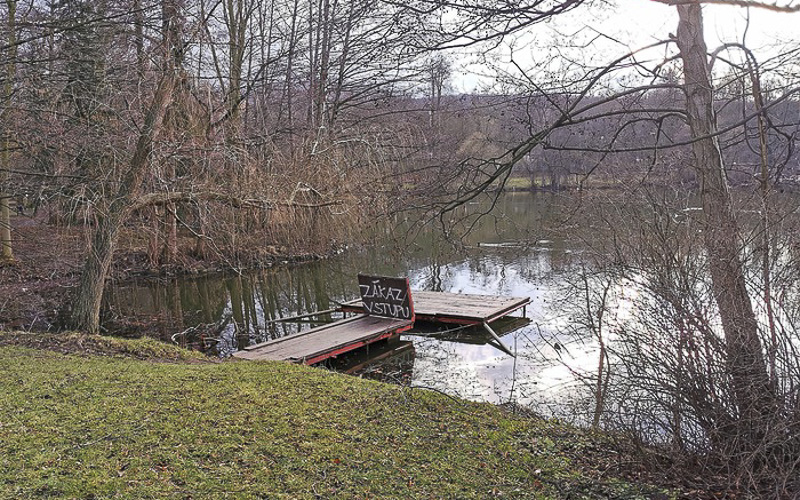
97 425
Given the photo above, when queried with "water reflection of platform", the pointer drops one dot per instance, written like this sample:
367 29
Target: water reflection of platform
460 308
377 358
468 334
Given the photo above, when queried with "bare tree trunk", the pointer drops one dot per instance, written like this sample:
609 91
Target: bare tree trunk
320 67
85 312
138 41
171 223
324 68
291 52
6 252
200 242
154 246
758 100
595 314
237 16
175 114
745 358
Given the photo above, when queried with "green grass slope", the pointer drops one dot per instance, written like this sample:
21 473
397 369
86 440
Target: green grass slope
118 427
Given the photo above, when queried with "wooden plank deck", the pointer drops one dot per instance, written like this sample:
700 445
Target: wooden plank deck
314 345
392 311
458 308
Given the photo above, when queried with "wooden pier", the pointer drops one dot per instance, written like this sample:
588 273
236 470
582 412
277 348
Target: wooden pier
386 308
318 344
462 309
458 308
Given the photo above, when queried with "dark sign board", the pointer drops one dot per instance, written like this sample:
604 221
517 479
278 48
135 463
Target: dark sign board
386 297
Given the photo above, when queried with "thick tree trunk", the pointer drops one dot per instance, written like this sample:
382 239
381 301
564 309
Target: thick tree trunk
85 309
745 358
84 313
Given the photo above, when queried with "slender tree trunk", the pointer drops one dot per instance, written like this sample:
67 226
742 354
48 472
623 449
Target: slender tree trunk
200 242
171 224
84 314
595 315
176 114
599 393
292 48
745 358
758 100
237 16
154 247
138 41
324 67
6 251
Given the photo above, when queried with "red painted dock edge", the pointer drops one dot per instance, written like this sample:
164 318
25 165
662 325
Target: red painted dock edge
353 346
318 344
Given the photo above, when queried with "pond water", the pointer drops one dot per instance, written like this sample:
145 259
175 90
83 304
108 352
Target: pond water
518 250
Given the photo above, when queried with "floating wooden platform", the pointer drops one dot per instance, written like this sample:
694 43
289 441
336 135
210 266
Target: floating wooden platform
317 344
391 311
459 308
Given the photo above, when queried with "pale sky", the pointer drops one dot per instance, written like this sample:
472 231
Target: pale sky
649 20
636 23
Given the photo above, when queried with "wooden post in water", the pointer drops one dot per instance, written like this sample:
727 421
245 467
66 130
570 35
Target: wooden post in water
500 343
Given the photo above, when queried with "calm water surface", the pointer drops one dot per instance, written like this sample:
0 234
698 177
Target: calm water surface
515 251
